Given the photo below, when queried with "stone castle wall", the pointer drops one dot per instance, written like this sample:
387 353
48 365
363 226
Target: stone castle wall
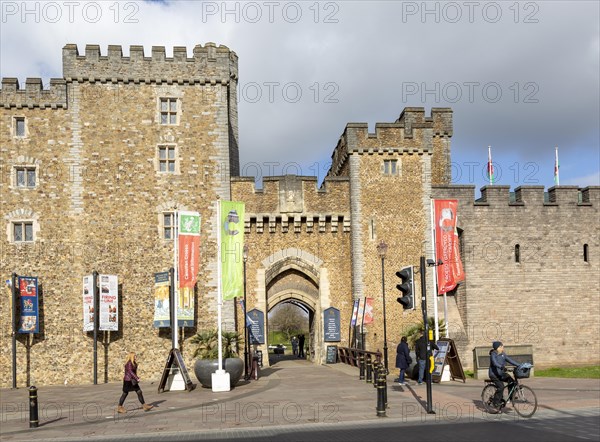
550 297
93 138
100 197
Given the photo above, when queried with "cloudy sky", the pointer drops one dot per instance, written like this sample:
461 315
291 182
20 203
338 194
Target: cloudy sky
522 77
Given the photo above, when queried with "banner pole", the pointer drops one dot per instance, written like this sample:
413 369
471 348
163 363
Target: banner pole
96 322
14 288
174 325
219 286
172 304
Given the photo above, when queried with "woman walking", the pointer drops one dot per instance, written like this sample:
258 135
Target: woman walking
131 382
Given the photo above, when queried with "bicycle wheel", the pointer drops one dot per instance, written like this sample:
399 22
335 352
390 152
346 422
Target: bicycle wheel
524 401
487 396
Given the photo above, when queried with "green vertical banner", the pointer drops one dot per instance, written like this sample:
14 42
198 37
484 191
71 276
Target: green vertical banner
232 245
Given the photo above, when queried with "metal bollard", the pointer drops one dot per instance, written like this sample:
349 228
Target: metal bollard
385 375
361 363
380 382
33 407
376 366
369 370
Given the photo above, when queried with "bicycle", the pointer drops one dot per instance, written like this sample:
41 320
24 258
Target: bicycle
523 399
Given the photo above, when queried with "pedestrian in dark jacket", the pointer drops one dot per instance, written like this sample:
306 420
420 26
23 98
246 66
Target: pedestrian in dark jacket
131 382
497 370
421 352
403 359
301 353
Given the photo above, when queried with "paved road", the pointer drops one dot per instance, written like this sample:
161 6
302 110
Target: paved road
296 400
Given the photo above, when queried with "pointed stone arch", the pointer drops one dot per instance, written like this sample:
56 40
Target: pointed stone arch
294 274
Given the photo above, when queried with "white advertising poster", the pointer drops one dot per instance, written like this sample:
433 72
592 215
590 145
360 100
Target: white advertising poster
109 302
88 303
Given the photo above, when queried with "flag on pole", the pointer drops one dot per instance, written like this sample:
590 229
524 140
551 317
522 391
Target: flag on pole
446 245
368 311
490 166
361 311
556 167
354 313
232 244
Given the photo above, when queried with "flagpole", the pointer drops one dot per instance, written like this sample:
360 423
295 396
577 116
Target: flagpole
556 169
219 287
175 326
490 167
434 276
220 378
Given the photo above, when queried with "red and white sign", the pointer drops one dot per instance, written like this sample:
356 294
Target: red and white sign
368 318
451 271
189 248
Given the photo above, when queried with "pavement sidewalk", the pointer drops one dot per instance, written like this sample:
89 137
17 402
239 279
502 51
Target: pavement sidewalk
290 394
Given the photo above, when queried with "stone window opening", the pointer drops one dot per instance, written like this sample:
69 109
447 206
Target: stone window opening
586 256
169 111
19 127
517 253
390 167
22 231
167 158
168 227
25 176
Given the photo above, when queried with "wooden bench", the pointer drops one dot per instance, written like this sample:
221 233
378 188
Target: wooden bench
481 358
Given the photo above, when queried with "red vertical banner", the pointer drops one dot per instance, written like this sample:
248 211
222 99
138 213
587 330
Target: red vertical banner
189 248
446 245
188 237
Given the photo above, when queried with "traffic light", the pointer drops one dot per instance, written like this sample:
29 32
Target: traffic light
407 299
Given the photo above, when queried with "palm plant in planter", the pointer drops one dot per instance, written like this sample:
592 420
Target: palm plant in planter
207 352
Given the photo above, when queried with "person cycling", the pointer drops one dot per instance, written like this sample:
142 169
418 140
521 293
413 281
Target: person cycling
497 371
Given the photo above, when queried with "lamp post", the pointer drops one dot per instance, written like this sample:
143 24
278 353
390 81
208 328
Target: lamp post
246 375
382 250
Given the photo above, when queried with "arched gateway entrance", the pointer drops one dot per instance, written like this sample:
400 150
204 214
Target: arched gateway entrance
296 276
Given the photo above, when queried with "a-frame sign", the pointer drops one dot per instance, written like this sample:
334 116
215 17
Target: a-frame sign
447 354
175 359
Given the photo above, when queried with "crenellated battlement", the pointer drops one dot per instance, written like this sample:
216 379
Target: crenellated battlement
307 223
208 64
440 120
34 94
294 203
526 196
412 133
